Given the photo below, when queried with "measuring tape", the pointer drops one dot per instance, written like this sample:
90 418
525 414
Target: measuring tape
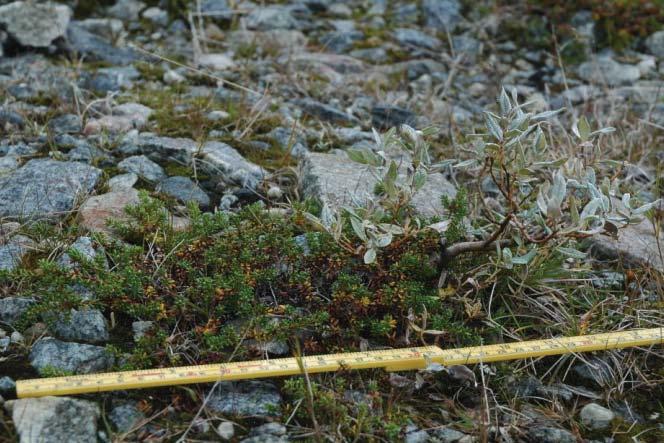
390 359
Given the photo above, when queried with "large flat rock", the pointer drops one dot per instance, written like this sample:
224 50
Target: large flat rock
45 188
54 419
337 180
635 247
35 24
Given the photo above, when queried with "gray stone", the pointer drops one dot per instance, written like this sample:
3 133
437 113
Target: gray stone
416 437
217 9
161 149
608 70
136 112
340 10
273 428
216 62
12 252
7 386
596 417
448 435
126 10
594 372
226 430
337 180
8 164
285 40
44 188
122 181
250 398
273 347
548 434
372 55
413 37
69 357
86 326
465 44
96 211
635 247
111 79
266 18
17 150
267 433
265 438
140 328
384 117
12 308
16 337
184 190
172 77
286 138
125 416
655 44
325 112
156 15
86 153
220 158
33 24
340 41
444 15
94 48
65 124
54 419
143 167
82 245
8 117
110 29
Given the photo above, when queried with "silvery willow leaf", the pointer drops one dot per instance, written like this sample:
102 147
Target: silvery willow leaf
518 121
419 179
504 101
607 130
384 240
590 209
377 139
546 114
370 256
358 228
507 258
625 200
646 207
327 216
524 259
465 163
493 126
582 129
571 252
394 229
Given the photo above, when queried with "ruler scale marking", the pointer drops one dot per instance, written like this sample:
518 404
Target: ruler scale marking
388 359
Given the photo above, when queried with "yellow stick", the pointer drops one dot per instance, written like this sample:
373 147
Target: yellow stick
391 360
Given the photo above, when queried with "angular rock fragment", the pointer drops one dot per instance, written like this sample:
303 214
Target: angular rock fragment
54 419
337 180
45 188
76 358
35 24
249 398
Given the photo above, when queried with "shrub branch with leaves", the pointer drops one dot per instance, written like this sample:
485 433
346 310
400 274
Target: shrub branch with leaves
545 200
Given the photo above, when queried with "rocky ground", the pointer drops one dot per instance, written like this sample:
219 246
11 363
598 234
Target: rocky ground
155 162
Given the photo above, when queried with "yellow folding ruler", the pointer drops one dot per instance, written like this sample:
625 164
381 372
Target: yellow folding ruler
390 359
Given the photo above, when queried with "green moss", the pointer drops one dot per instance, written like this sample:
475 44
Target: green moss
50 371
619 23
150 71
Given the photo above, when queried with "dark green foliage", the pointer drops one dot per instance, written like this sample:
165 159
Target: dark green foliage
458 210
